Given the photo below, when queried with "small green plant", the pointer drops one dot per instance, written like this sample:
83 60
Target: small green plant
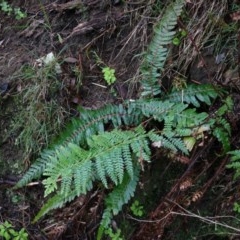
108 72
5 7
113 236
109 75
8 9
15 197
19 14
137 209
179 37
7 232
236 207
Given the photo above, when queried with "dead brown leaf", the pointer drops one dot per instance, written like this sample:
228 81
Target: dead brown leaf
235 16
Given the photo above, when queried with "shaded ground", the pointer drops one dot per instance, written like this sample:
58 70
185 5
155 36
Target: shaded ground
117 31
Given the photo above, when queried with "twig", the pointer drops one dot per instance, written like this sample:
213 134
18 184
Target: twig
204 219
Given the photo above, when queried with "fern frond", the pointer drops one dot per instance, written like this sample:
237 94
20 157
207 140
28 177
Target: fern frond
158 109
119 196
90 122
190 118
194 94
86 152
130 113
235 162
226 107
183 132
223 137
34 172
107 157
235 155
57 201
93 121
64 166
174 144
220 126
157 51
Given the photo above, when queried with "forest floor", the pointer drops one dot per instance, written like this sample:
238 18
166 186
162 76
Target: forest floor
84 37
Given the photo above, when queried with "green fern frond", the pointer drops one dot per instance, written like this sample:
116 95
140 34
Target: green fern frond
76 168
174 144
92 122
194 94
158 109
57 201
223 137
190 118
235 162
157 51
34 172
226 107
119 196
131 113
183 132
235 155
220 126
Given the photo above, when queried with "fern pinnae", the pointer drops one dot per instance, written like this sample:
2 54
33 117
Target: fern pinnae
194 94
157 50
83 177
57 201
34 172
235 162
101 171
119 164
110 165
127 160
119 196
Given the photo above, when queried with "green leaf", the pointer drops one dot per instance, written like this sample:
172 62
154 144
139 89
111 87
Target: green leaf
176 41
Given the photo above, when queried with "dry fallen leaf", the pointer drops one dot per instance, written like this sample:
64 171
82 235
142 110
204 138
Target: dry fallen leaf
70 60
235 16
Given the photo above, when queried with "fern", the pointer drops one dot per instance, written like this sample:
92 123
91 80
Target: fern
73 165
57 201
77 167
235 162
90 122
87 151
117 198
223 137
93 121
221 127
157 52
194 94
